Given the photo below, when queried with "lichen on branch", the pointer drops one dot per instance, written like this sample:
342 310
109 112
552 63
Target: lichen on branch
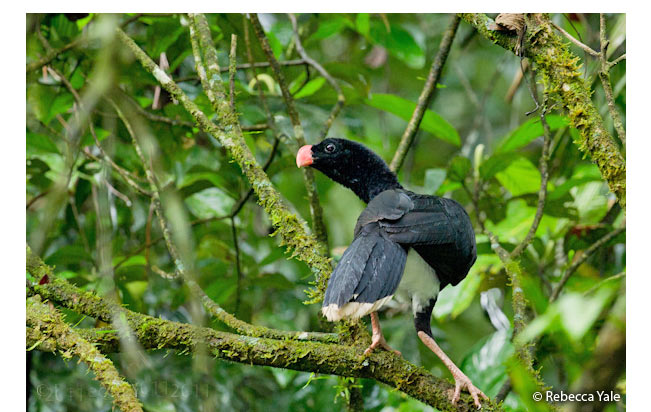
290 228
46 327
560 75
307 356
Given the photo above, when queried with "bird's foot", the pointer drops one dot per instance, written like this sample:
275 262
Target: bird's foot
461 381
378 341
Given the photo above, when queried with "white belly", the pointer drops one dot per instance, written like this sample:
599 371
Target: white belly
419 282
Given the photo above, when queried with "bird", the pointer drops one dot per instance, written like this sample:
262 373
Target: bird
405 244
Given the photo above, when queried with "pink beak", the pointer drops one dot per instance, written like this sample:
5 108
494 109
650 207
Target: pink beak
304 156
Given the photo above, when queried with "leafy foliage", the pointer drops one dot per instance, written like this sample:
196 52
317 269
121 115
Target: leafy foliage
475 146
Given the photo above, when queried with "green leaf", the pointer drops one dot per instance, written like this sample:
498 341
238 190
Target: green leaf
589 202
63 28
362 24
136 260
496 163
137 288
330 27
310 88
432 122
39 143
276 45
454 300
88 138
69 254
162 33
459 169
517 221
485 364
520 177
399 42
578 313
528 131
563 189
211 202
434 178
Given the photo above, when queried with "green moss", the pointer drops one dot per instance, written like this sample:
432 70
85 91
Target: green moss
560 75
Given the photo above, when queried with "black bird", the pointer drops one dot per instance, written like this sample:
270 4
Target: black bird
428 239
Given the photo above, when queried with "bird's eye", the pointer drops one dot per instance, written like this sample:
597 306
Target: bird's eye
330 148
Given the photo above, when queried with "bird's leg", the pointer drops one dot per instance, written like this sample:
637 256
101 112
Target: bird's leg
378 339
461 381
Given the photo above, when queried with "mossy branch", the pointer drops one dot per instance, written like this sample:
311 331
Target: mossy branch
307 356
289 227
308 173
562 82
46 330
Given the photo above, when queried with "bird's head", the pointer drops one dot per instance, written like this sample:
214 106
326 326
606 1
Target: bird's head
350 164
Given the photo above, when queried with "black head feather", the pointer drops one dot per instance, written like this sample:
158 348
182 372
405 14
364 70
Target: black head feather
355 166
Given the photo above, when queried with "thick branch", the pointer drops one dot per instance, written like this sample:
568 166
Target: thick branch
426 95
562 81
46 328
307 356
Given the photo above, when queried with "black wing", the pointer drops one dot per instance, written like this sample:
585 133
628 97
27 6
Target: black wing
371 268
440 230
367 275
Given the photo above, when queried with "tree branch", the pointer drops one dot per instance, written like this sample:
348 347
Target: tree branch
604 75
308 173
578 262
289 227
562 81
306 356
47 331
544 174
52 54
426 95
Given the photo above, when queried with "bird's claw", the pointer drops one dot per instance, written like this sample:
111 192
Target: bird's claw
461 381
380 342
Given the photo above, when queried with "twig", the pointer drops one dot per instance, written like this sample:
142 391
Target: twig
52 54
579 261
604 75
80 228
585 48
544 174
238 268
35 198
426 95
126 175
341 100
246 66
617 60
604 281
232 71
308 174
139 15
